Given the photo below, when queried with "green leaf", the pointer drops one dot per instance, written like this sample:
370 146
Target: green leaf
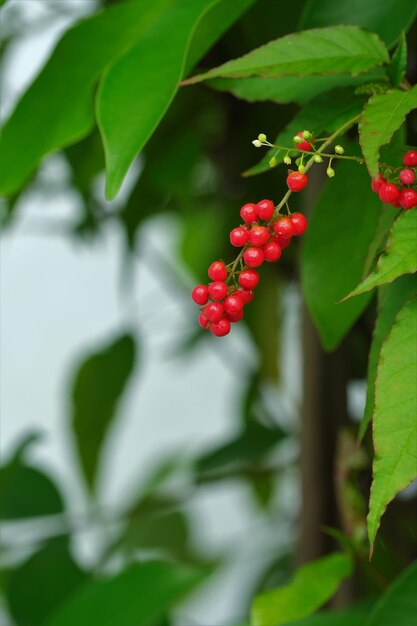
394 421
400 256
43 583
311 587
337 50
26 491
61 97
398 66
98 386
381 117
348 617
141 594
138 87
398 605
387 20
325 113
335 250
390 300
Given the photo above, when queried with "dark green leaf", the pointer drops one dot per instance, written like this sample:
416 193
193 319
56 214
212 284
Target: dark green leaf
335 251
388 20
337 50
398 66
140 595
381 117
98 386
394 420
354 616
398 605
311 587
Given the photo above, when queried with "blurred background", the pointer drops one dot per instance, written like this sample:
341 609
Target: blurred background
193 450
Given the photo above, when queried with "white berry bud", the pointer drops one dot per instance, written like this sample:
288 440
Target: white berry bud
339 149
317 158
287 160
307 135
257 143
330 172
262 137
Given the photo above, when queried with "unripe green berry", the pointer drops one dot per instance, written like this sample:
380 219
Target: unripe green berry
330 172
301 168
287 160
273 162
262 137
257 143
307 135
317 158
298 139
339 149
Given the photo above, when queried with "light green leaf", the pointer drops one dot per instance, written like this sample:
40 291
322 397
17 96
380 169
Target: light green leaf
387 20
335 250
337 50
398 605
141 594
394 421
355 615
398 66
311 587
391 299
400 256
381 117
325 113
98 386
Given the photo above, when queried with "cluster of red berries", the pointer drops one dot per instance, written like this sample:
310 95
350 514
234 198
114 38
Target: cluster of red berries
401 194
222 301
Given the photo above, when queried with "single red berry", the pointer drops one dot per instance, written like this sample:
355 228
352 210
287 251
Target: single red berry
304 145
258 235
233 304
407 177
221 328
213 311
248 213
297 181
248 279
265 209
217 271
200 294
245 294
377 182
234 317
410 158
285 228
299 222
272 251
408 198
283 242
217 290
239 237
203 321
389 193
253 257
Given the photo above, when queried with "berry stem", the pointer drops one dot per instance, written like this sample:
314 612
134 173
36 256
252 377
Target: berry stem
319 151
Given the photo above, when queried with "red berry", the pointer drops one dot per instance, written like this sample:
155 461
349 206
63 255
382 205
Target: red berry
296 181
217 271
245 294
217 290
377 182
389 193
299 222
213 311
283 242
272 251
407 177
233 304
248 279
234 317
248 213
221 328
284 228
410 158
408 198
265 209
253 257
304 145
239 237
258 235
203 321
200 294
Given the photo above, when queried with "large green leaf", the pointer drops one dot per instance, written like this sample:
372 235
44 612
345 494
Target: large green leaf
98 386
36 589
26 491
381 117
352 616
325 113
398 605
400 256
337 50
311 587
142 594
398 66
335 251
394 420
387 19
391 299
